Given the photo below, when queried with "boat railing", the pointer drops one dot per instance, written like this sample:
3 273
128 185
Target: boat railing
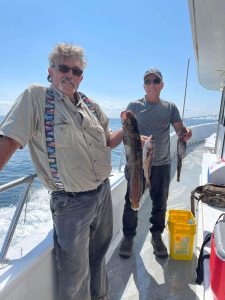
30 179
198 120
188 122
5 187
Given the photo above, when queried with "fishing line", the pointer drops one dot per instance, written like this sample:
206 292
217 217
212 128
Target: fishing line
185 89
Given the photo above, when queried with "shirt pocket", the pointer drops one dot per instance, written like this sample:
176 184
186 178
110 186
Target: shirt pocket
63 134
97 133
59 203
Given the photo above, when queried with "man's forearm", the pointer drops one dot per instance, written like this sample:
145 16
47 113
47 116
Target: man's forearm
7 147
115 138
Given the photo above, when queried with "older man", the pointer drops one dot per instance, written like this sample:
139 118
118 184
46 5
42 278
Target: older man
69 142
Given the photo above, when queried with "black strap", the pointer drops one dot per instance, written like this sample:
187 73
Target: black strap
222 215
199 269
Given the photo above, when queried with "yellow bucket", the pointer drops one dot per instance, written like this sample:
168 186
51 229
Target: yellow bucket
182 228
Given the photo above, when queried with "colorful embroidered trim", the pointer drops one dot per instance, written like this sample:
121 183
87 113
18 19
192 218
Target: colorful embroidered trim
49 132
50 139
88 103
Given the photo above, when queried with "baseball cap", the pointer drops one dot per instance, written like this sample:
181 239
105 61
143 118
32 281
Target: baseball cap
155 72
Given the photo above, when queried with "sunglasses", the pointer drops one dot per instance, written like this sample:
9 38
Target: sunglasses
65 69
154 81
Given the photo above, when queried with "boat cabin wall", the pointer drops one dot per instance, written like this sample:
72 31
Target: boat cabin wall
220 137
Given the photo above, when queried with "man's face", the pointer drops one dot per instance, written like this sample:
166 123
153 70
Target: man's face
153 86
66 76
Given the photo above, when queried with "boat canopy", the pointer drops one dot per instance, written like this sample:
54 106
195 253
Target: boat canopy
208 32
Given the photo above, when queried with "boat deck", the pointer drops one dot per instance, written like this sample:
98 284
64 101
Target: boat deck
145 277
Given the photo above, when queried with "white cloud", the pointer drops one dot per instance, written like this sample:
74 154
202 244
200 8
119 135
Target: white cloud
111 106
4 107
5 103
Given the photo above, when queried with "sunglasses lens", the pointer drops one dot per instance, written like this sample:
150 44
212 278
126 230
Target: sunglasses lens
66 69
154 81
63 68
77 72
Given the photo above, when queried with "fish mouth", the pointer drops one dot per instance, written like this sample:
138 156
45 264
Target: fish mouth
126 114
123 115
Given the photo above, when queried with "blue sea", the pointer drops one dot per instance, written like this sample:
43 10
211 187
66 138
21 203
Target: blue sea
36 217
20 164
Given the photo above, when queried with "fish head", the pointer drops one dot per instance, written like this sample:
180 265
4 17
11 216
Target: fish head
128 120
123 115
127 114
150 142
182 131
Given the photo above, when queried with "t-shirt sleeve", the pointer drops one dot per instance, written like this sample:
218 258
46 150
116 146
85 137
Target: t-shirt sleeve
131 107
175 115
21 122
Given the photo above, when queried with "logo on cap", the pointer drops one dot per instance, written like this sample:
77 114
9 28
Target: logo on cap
155 72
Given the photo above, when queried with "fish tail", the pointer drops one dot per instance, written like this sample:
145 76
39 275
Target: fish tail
179 164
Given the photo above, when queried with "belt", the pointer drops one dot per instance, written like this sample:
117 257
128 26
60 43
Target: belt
78 193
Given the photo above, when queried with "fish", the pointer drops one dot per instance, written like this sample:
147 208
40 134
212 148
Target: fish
181 149
148 154
133 150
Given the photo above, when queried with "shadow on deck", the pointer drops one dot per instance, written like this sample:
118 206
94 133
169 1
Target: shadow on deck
145 277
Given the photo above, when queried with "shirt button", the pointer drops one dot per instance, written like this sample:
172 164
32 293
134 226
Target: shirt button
94 161
89 144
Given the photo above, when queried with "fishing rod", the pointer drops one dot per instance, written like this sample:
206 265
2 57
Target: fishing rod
185 89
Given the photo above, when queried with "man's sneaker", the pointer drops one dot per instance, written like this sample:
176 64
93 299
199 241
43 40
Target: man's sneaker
126 246
158 245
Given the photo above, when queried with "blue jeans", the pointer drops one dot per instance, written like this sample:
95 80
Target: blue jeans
160 180
82 233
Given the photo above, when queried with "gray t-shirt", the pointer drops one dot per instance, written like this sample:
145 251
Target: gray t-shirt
155 119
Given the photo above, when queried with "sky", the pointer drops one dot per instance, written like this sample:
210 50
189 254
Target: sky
121 39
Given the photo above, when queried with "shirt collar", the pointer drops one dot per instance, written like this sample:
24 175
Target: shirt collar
60 96
146 101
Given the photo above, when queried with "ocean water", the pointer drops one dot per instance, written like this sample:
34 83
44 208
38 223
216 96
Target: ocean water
21 165
36 215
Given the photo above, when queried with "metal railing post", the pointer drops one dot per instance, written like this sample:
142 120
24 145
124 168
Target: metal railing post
17 213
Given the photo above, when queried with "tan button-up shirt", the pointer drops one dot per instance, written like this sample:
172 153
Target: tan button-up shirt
83 158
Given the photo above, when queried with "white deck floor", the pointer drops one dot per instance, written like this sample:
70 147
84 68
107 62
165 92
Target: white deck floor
145 277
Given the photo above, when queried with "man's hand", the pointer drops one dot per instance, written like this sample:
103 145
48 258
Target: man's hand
187 135
186 132
143 139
